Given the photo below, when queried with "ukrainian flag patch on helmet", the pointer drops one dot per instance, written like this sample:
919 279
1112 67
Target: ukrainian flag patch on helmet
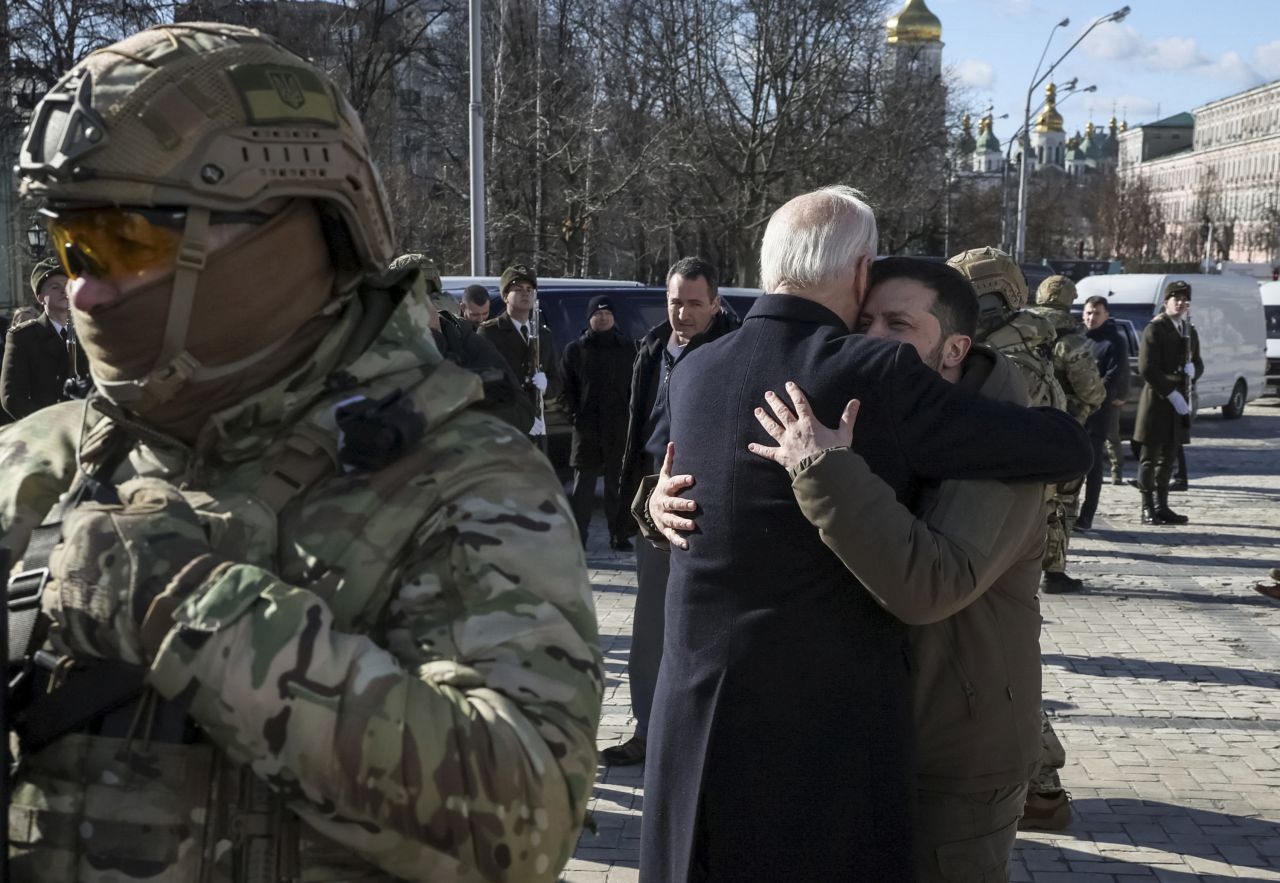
274 94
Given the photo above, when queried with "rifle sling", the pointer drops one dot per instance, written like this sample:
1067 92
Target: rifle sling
83 696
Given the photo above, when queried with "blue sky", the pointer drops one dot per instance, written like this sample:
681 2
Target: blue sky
1166 57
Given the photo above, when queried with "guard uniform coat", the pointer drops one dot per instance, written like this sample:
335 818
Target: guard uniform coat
596 376
503 334
1162 356
780 744
35 367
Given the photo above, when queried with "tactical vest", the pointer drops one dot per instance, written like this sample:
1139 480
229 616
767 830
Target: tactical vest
1069 339
1027 340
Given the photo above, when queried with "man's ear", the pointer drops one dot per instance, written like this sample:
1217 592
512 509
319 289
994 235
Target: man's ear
955 349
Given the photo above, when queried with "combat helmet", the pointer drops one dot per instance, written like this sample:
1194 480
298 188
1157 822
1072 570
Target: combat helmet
428 284
1056 291
991 271
205 118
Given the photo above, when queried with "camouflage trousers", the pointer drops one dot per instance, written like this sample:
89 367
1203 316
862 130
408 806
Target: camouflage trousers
1063 510
1053 757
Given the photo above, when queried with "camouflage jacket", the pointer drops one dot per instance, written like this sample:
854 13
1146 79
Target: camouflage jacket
1074 363
1027 339
399 678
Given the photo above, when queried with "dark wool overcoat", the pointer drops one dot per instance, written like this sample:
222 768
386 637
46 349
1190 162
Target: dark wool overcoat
780 743
1161 357
596 379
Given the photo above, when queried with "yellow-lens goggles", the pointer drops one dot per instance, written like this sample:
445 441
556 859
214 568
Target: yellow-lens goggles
115 244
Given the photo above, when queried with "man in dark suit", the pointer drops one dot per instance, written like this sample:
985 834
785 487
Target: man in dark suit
1169 362
780 682
513 336
38 354
1111 351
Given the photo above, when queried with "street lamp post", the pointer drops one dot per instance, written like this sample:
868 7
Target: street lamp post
1036 80
1068 89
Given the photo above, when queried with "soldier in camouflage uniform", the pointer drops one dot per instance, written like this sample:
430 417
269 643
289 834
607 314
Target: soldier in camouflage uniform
1077 374
322 619
1027 340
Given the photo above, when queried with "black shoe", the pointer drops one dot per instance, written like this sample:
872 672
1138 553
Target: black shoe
1084 522
1061 584
1178 485
629 753
620 544
1168 516
1149 514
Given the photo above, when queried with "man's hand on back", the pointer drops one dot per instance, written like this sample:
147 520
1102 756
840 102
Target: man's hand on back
800 435
665 503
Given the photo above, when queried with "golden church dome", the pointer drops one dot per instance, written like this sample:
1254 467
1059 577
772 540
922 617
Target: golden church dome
1049 120
914 23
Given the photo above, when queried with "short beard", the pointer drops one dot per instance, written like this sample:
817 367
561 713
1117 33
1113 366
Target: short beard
934 357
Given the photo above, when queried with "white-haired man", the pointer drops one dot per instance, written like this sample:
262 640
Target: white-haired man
780 682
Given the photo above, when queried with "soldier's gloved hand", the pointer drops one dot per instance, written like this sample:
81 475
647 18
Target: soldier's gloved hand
539 380
114 560
1189 369
538 428
1179 403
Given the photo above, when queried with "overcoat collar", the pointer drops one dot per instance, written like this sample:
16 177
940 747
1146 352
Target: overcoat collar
789 307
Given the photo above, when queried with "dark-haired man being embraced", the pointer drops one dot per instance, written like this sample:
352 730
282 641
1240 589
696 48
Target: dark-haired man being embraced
963 570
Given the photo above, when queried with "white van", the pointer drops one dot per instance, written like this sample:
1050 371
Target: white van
1226 311
1271 305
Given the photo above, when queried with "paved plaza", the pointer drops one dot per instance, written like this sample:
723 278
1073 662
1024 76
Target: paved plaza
1163 677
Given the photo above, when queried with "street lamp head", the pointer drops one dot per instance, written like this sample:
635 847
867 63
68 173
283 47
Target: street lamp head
1070 85
1119 14
1067 21
1090 89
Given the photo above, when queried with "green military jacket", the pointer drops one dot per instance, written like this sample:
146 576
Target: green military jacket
398 679
1074 364
963 571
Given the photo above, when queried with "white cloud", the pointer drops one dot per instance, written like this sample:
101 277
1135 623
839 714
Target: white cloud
976 74
1113 43
1174 54
1266 59
1163 55
1235 69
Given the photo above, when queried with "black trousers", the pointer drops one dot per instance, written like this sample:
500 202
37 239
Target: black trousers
648 624
1093 481
1180 472
582 499
1155 465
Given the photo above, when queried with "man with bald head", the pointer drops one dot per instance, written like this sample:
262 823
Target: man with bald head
779 683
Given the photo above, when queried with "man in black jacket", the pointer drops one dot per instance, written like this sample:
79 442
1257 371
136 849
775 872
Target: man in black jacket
781 678
1112 353
596 374
694 317
37 354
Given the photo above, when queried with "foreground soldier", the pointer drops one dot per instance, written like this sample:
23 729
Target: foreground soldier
1027 340
1077 374
359 605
